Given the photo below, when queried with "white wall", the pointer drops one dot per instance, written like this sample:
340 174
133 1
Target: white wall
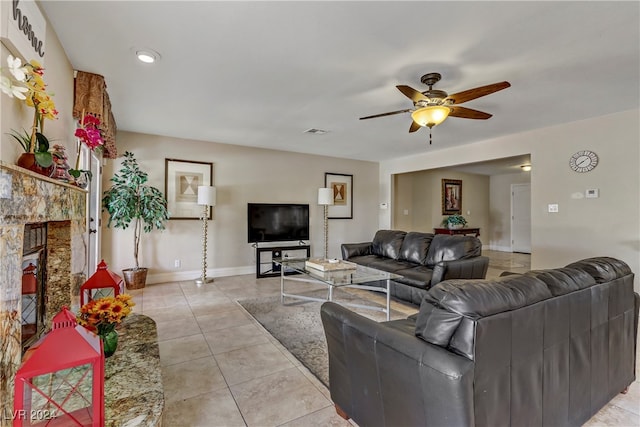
609 225
499 233
241 175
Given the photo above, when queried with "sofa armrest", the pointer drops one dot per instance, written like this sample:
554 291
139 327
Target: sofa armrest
355 249
379 375
470 268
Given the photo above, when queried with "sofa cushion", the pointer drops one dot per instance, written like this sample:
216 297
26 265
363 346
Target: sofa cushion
418 277
482 298
602 269
415 247
445 247
389 265
562 281
364 259
387 243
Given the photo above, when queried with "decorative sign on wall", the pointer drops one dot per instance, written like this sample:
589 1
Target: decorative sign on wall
25 30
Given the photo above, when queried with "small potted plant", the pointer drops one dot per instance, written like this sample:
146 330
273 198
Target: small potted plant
454 222
131 200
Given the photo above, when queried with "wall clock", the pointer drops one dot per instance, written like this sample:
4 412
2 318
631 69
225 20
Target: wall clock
583 161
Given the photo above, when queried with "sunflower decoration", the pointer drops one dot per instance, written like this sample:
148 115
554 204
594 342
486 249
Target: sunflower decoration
103 315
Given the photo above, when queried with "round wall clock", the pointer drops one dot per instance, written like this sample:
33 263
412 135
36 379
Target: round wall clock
583 161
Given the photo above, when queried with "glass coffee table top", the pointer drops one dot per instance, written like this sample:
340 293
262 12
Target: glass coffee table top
354 276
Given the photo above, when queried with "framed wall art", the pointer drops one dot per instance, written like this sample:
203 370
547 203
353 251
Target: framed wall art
182 178
342 185
451 196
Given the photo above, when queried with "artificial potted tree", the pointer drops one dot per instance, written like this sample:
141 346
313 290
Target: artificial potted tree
131 200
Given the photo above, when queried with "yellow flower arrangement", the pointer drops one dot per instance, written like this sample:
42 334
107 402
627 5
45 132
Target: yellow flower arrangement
26 83
103 315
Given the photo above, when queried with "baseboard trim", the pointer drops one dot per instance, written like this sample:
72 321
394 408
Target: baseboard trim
500 248
182 276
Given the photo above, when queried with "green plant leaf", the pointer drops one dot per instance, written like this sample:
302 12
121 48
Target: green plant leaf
43 143
44 159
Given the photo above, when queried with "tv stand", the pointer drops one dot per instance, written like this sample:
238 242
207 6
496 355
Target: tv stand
265 267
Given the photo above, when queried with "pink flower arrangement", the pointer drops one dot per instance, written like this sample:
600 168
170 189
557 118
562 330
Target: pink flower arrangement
89 133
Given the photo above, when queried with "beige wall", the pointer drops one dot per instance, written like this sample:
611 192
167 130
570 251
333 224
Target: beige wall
609 225
241 175
420 195
14 114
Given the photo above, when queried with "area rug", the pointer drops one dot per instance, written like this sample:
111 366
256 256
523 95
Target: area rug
298 327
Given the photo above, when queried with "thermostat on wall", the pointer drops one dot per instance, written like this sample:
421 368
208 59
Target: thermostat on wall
592 193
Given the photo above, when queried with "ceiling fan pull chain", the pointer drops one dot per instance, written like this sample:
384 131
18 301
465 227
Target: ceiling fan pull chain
429 136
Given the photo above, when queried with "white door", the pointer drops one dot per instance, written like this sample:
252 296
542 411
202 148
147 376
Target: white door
521 218
94 213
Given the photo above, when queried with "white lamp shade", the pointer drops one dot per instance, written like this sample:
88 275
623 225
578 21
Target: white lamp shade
206 195
325 196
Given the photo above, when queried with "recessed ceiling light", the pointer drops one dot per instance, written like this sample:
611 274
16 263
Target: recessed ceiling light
147 56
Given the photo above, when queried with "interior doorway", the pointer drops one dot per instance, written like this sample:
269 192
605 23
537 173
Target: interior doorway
94 213
521 218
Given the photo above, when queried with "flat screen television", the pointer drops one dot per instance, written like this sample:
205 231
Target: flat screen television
277 222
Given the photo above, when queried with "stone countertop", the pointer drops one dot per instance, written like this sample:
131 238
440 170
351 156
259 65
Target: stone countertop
133 392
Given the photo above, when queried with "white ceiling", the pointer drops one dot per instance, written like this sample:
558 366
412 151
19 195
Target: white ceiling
261 73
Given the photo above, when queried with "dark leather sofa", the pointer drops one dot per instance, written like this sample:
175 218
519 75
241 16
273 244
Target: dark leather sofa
423 259
548 347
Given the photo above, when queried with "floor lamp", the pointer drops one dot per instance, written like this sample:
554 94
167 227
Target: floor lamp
206 198
325 198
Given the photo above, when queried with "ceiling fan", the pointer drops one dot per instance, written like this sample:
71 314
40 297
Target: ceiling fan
433 106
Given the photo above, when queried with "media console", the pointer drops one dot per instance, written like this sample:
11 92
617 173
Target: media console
265 267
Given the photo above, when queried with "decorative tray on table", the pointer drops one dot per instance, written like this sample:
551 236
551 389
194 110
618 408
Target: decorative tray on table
329 264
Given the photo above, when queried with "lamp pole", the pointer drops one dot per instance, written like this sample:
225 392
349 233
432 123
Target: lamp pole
206 198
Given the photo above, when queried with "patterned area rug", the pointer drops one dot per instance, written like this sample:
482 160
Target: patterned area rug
298 327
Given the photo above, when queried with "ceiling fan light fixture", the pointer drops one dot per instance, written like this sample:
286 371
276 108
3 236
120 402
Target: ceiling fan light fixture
430 116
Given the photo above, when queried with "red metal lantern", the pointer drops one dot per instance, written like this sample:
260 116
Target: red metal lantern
61 378
103 283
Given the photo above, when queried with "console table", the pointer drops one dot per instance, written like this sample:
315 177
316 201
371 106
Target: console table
133 393
464 231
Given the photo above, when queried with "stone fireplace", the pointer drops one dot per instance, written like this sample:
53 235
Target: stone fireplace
27 198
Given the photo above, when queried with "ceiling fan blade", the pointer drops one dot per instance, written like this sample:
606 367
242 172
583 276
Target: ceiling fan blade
386 114
468 113
411 93
414 127
468 95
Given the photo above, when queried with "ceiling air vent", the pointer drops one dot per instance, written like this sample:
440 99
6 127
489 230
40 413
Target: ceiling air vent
315 131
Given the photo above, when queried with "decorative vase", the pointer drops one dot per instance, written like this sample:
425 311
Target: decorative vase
28 161
455 226
109 342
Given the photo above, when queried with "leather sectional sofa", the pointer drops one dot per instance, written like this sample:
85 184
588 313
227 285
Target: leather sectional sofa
548 347
423 259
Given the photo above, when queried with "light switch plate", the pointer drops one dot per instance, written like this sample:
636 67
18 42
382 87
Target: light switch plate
553 207
592 193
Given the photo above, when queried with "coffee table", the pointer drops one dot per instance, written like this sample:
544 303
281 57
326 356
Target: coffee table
357 277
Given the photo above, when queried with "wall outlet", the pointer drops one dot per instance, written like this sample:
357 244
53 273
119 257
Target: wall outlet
553 207
177 263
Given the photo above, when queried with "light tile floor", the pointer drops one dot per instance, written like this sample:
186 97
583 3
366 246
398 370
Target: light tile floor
221 368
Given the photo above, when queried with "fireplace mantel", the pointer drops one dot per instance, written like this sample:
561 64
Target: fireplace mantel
27 197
